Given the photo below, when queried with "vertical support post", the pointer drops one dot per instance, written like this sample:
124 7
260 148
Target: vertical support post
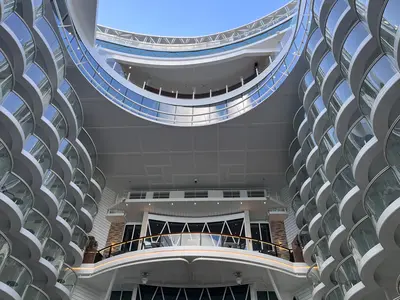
210 93
242 80
134 292
144 85
129 76
194 93
115 63
247 229
277 291
111 285
253 292
226 88
159 91
143 229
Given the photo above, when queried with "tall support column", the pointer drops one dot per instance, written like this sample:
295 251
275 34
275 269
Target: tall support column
247 229
134 292
143 229
111 285
253 292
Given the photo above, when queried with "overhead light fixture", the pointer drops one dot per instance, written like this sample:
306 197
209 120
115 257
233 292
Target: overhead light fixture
241 202
172 203
149 203
195 203
265 202
145 277
217 202
239 278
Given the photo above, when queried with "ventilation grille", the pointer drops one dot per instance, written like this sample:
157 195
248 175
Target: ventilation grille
231 194
256 194
137 195
196 194
160 195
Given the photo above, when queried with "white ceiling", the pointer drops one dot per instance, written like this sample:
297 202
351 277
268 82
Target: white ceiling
248 151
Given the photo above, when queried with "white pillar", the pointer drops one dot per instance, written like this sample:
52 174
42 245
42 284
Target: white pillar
247 229
253 292
143 229
111 285
134 292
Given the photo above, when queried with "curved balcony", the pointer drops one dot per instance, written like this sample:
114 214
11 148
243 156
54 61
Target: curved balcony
289 174
378 95
368 12
313 219
195 239
392 145
381 202
334 230
330 152
317 106
301 177
319 288
334 294
306 243
66 282
18 118
348 279
313 161
328 75
87 213
90 147
7 78
52 260
31 238
15 277
5 248
6 160
81 182
99 178
389 30
315 48
7 7
319 183
52 191
366 249
298 209
325 262
163 112
39 156
20 41
298 118
304 130
16 199
65 221
310 210
305 194
69 93
77 246
34 293
59 128
68 159
305 84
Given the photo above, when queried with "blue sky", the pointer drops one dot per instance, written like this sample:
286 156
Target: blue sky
182 17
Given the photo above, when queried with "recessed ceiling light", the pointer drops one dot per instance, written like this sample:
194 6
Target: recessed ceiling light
126 204
217 202
241 202
265 202
149 203
172 203
195 203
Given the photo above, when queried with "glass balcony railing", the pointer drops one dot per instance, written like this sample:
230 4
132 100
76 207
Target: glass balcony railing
37 224
350 46
68 212
331 220
306 83
73 99
298 118
5 248
39 150
195 239
313 275
24 35
6 76
182 115
375 80
321 252
79 237
362 238
316 36
389 27
392 146
54 253
318 179
67 278
8 8
54 44
356 138
90 205
342 184
20 111
6 161
382 191
334 294
347 274
54 115
304 236
310 210
333 19
69 152
16 275
301 176
308 144
34 293
317 9
296 202
15 188
55 185
315 109
289 174
99 177
328 141
341 95
293 148
87 141
81 181
327 62
39 77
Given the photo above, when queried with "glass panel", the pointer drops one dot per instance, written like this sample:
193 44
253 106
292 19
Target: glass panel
68 213
304 236
296 203
389 26
5 248
315 109
353 41
79 237
89 145
34 293
98 176
81 181
54 183
70 153
313 276
73 99
362 238
347 274
361 9
333 18
38 149
5 160
21 112
39 77
289 174
342 184
6 77
67 278
8 7
38 225
16 275
326 64
310 210
383 190
375 80
321 251
308 79
328 141
359 135
341 94
90 205
57 119
18 191
312 43
54 253
331 220
392 148
317 180
334 294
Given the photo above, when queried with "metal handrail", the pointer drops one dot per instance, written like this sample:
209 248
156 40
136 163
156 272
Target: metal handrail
275 248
